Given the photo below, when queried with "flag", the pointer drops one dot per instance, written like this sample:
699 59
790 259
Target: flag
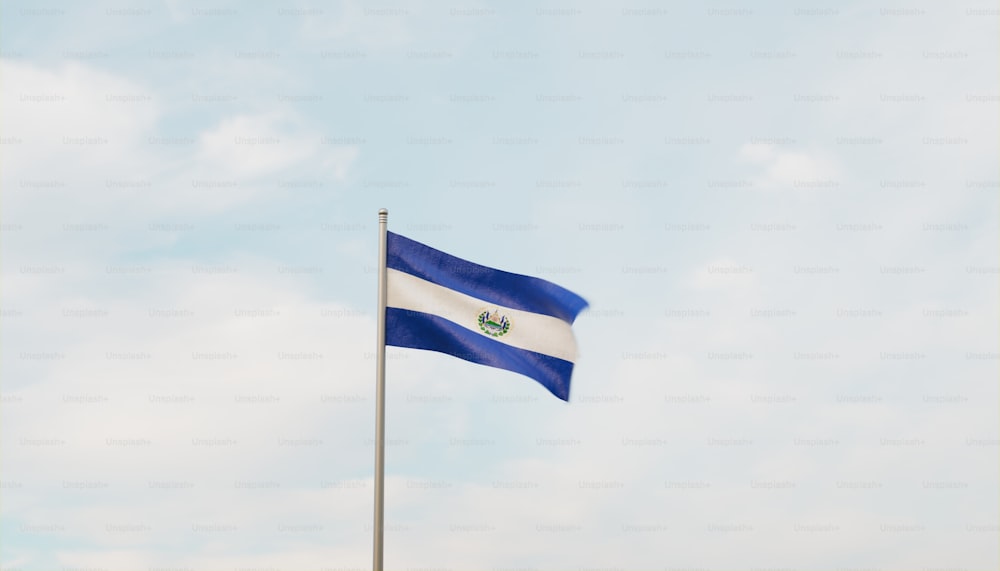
437 302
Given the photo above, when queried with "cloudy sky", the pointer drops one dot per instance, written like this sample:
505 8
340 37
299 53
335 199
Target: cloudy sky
784 217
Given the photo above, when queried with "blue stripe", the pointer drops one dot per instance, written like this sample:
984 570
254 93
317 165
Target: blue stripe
418 330
494 286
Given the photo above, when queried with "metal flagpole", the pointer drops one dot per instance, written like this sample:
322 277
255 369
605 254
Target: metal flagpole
383 216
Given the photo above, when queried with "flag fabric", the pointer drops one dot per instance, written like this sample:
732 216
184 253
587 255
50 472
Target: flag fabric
437 302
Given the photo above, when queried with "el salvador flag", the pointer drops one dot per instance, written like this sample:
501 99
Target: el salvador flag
438 302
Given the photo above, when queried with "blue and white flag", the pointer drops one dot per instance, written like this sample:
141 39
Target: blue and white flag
438 302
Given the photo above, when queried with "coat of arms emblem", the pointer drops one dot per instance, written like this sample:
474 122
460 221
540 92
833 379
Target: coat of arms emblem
494 324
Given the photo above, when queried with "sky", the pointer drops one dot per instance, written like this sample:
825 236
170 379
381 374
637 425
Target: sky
783 215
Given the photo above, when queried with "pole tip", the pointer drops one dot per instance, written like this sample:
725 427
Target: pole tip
383 212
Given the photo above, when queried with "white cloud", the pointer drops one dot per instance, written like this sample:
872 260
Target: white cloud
360 25
250 146
74 116
105 191
722 274
241 358
786 168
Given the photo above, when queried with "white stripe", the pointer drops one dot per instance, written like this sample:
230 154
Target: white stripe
532 331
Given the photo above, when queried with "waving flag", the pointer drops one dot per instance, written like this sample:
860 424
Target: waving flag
438 302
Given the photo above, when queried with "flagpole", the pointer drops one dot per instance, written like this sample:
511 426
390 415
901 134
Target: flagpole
383 216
